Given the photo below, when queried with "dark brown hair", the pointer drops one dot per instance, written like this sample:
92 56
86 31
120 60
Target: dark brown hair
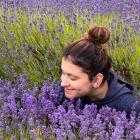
88 52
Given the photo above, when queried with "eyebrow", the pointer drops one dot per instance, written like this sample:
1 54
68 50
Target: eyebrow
69 74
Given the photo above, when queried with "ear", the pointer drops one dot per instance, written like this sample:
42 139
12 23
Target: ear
97 80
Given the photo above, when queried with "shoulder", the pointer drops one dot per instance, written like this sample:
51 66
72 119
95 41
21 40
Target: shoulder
128 103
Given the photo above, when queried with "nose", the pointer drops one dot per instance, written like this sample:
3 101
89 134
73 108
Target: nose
64 80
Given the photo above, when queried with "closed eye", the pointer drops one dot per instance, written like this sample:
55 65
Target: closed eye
73 78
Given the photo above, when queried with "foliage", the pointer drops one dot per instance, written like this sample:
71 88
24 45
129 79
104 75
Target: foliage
34 33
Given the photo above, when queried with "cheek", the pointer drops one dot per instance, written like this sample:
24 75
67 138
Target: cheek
74 84
86 86
81 85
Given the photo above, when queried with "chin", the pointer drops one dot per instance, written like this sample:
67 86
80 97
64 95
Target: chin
69 96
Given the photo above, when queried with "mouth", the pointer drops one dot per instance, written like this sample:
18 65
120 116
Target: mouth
68 90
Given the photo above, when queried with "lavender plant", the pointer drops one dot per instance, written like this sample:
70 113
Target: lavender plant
33 34
32 113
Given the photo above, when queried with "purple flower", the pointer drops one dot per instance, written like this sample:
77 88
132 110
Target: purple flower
90 111
60 29
43 92
30 103
41 26
22 115
45 107
26 47
46 131
31 121
32 134
34 22
13 138
137 131
60 134
20 129
7 130
106 114
22 82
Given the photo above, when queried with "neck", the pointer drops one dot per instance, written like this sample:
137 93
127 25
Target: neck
100 92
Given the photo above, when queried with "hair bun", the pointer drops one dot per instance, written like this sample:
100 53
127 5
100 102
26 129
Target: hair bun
98 35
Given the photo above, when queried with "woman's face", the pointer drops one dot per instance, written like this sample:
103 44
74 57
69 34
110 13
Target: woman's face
75 82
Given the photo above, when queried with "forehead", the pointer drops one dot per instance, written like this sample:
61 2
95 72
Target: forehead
68 67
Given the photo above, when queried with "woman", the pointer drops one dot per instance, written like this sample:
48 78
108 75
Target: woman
87 74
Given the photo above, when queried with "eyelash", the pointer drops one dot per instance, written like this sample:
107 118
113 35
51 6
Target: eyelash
73 79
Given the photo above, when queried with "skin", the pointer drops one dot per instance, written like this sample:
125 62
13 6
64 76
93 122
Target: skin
76 83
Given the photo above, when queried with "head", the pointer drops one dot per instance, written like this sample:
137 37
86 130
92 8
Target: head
85 64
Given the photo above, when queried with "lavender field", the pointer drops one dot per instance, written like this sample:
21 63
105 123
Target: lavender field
33 34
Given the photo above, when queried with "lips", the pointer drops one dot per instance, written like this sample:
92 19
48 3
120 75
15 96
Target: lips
68 90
